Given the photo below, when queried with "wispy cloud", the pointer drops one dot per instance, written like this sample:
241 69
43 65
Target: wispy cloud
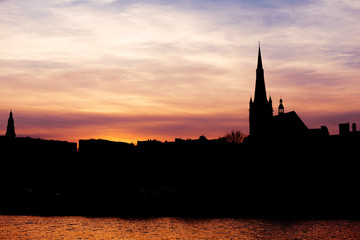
176 58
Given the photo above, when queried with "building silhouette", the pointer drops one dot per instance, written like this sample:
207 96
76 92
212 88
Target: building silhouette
261 119
291 171
10 131
261 110
281 109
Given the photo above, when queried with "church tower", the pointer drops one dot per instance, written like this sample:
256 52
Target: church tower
10 131
261 110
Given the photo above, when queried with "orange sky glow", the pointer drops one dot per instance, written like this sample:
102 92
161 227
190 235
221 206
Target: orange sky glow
137 70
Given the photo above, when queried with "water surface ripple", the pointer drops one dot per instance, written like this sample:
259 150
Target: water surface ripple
34 227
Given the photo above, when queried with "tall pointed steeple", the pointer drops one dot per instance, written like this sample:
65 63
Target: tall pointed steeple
259 64
260 90
10 131
261 111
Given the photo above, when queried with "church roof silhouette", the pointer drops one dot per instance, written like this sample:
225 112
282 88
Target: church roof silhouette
289 124
261 120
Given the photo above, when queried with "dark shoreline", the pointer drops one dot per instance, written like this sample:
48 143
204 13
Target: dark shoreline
272 178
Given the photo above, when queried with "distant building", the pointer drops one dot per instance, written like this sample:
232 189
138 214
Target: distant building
10 131
323 131
101 146
261 119
26 146
344 129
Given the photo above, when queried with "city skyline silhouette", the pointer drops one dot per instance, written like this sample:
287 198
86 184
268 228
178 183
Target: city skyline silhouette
262 116
282 169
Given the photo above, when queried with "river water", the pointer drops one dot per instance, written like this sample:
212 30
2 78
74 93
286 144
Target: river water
34 227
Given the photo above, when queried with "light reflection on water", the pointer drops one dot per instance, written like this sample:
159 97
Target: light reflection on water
30 227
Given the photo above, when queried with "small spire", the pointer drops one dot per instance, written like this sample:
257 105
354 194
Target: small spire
259 64
281 109
10 131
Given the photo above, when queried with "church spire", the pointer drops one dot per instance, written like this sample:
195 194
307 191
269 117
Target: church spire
259 63
261 111
260 90
10 131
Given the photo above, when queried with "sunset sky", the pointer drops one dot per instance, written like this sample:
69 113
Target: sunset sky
154 69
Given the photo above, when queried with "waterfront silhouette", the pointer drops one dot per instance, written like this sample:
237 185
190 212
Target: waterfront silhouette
281 169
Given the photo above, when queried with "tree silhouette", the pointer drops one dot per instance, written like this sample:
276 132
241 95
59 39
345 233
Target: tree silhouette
235 136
